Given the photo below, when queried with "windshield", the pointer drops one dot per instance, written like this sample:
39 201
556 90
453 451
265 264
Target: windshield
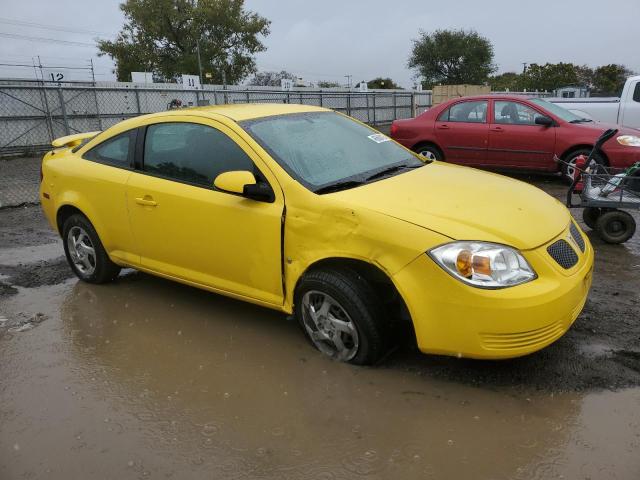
557 110
321 149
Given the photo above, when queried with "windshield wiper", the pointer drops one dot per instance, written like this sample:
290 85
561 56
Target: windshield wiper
581 120
392 169
337 186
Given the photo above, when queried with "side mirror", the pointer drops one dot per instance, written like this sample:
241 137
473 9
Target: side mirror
235 181
243 182
544 121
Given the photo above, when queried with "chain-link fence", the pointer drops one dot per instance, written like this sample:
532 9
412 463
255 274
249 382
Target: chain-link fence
34 114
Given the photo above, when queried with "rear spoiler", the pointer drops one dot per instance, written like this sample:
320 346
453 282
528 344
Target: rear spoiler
73 140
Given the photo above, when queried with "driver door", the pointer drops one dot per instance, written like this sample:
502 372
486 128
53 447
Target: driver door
187 229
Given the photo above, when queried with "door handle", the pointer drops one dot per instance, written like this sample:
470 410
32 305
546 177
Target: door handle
443 127
147 201
497 129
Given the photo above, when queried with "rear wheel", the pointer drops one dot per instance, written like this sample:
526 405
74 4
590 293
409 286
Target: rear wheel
85 253
616 226
431 152
568 171
590 216
341 315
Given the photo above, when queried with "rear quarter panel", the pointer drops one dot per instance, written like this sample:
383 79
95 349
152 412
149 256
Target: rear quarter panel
98 191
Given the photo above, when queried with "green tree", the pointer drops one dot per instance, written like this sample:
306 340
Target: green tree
161 36
382 83
452 57
270 79
608 80
514 82
550 76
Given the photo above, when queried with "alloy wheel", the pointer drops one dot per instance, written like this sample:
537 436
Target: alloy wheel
329 326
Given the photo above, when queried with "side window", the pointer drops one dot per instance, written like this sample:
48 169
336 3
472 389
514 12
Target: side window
115 151
468 112
191 153
636 93
514 113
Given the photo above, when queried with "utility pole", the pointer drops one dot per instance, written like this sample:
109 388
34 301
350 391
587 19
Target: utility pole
194 3
348 77
524 67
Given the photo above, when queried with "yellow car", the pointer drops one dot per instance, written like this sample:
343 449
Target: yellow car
307 211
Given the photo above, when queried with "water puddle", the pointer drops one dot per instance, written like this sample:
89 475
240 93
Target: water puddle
146 378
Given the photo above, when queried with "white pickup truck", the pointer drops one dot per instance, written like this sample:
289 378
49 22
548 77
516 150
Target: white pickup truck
624 111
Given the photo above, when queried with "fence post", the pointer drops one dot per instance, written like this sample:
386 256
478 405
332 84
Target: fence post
395 106
135 89
349 103
248 98
413 104
375 122
95 97
288 97
63 110
47 112
321 97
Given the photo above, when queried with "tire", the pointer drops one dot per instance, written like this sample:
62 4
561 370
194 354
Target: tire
429 151
590 216
349 299
84 251
616 226
571 158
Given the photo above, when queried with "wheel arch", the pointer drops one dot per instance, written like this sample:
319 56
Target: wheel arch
430 143
583 146
64 212
379 280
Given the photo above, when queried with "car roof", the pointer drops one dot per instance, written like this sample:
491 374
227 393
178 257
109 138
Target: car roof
241 111
499 96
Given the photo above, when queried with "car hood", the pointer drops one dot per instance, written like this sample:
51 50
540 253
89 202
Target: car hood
597 128
465 204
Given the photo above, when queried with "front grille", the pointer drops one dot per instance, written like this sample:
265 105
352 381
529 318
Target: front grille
562 253
577 237
513 341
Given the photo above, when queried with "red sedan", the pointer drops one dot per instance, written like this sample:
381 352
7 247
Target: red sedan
503 131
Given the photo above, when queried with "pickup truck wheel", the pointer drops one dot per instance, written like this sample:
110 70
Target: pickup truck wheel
616 226
85 253
430 152
590 216
341 315
569 170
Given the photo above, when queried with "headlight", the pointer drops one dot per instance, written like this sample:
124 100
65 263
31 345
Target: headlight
483 264
629 140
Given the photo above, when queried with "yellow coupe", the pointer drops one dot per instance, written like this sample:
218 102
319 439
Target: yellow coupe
307 211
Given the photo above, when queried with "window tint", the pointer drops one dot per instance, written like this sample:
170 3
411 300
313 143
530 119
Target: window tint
514 113
114 151
191 153
636 93
469 112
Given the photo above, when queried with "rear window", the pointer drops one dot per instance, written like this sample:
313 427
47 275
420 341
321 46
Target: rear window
116 151
466 112
636 93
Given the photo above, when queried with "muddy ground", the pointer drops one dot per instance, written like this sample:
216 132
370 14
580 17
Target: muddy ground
145 378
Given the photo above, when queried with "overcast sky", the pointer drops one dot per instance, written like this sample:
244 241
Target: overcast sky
325 40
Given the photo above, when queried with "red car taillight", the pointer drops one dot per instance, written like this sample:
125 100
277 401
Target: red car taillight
394 129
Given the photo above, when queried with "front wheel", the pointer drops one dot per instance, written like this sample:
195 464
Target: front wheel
616 226
341 315
85 253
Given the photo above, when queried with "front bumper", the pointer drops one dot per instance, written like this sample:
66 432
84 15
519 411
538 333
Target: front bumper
452 318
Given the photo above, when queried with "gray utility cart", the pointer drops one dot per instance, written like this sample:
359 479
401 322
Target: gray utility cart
605 193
